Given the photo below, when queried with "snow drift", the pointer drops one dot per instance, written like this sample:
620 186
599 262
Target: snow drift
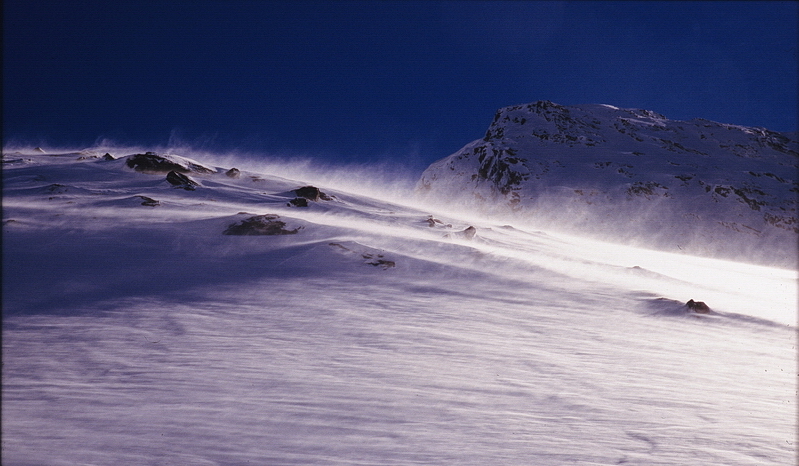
265 319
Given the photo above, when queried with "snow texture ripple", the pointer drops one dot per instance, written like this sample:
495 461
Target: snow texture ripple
378 331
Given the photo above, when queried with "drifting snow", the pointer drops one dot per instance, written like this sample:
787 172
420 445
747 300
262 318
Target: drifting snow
632 175
379 331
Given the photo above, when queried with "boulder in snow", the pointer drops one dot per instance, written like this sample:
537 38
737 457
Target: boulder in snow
260 225
150 162
369 256
434 222
312 193
298 202
698 307
179 180
149 202
468 233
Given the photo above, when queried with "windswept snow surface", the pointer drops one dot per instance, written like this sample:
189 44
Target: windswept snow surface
633 175
371 331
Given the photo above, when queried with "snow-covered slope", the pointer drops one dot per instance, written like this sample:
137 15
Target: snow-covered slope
633 175
161 309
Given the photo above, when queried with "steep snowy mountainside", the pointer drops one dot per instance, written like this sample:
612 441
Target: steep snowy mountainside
236 315
633 175
135 210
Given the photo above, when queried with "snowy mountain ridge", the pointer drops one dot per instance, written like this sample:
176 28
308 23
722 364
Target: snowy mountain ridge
176 309
632 174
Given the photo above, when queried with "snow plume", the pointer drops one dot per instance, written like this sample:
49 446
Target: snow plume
365 200
383 180
244 320
632 176
655 223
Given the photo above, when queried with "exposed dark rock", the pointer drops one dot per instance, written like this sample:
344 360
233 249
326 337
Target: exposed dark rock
108 157
646 189
698 307
260 225
312 193
386 264
506 173
150 162
233 173
377 260
370 258
179 180
150 202
298 202
431 222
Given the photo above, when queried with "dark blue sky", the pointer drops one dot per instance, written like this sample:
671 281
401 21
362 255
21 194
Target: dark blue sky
369 81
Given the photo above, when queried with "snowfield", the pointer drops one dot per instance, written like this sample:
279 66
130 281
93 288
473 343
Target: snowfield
169 309
616 174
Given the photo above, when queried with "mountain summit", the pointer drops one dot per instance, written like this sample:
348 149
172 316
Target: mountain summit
632 174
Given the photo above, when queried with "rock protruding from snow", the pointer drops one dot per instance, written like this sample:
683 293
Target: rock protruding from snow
698 307
260 225
298 202
179 180
305 194
312 193
152 163
368 255
631 174
433 222
468 233
149 202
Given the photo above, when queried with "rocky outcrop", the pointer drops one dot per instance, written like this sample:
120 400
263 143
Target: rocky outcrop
433 222
305 194
697 307
631 174
153 163
148 201
179 180
312 193
261 225
368 255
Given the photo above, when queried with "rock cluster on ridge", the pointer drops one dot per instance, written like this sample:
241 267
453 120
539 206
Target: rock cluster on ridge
630 172
150 162
260 225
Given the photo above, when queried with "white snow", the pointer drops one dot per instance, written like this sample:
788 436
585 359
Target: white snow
379 333
628 174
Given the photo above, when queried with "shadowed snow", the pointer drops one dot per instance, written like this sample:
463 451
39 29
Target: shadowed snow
381 331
